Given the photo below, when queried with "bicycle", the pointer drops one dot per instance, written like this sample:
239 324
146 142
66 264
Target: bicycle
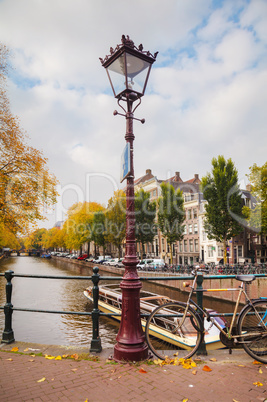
178 329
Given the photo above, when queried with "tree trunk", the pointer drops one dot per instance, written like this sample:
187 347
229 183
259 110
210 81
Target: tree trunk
170 244
225 252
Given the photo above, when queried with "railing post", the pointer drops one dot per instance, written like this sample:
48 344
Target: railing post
202 348
96 341
8 334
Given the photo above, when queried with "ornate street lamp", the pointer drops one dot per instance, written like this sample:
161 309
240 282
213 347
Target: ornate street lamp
128 69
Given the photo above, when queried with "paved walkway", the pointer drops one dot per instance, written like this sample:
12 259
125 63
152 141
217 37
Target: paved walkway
24 377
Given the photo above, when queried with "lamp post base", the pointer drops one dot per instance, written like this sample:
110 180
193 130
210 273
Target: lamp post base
131 345
133 353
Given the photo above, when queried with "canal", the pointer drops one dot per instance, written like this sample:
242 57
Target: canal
57 294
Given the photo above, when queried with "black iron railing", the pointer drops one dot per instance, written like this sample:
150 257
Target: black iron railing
8 333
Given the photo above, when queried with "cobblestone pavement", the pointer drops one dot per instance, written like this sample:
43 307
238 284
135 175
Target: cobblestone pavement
27 378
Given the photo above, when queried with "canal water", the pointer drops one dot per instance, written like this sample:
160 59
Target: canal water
59 294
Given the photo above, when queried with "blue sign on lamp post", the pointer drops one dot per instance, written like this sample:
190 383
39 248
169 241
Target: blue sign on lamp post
125 162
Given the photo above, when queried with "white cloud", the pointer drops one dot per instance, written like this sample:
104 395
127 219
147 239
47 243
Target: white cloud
206 94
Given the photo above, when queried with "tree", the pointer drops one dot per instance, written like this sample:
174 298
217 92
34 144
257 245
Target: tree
36 239
78 225
171 214
145 214
99 231
257 216
116 219
224 203
26 186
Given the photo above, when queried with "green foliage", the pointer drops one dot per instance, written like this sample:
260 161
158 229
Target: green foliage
145 214
98 228
116 219
224 203
257 216
171 214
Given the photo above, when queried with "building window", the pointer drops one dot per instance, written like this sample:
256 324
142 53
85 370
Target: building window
189 214
190 229
181 247
185 246
195 228
210 251
185 230
154 193
196 245
240 251
195 213
204 235
191 249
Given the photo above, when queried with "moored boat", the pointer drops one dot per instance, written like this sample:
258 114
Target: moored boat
110 300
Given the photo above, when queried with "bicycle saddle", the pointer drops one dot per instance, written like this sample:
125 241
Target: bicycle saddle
245 278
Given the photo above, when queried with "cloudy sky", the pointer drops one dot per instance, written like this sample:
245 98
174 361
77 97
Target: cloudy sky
206 95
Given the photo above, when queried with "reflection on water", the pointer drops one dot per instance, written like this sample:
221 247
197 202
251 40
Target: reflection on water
59 294
51 294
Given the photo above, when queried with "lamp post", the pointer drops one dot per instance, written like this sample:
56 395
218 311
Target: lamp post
128 69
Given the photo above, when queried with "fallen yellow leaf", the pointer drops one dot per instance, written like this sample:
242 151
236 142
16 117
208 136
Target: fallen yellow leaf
185 400
41 380
241 365
74 370
207 368
15 349
213 359
258 384
187 366
58 358
256 362
193 364
49 357
194 372
31 360
26 350
260 371
10 360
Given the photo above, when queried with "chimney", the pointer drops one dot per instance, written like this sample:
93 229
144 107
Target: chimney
196 176
148 171
248 187
177 176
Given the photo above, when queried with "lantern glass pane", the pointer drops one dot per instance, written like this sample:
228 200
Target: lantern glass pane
137 70
116 72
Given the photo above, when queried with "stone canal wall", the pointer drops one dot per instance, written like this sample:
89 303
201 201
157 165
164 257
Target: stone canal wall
258 288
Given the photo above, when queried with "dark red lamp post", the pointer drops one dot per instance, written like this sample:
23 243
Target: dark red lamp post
128 69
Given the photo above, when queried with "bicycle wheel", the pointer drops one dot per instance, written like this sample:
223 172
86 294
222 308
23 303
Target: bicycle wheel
252 324
171 333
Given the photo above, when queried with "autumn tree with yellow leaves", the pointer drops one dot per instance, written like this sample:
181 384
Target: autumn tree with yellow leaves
26 185
78 227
